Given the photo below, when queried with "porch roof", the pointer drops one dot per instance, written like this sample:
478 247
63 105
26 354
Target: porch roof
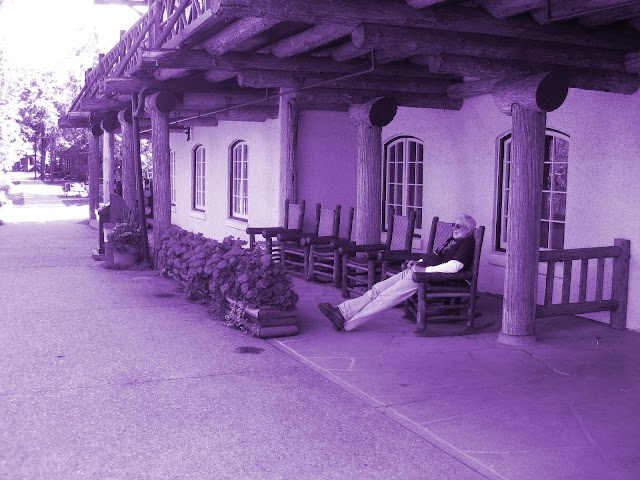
218 55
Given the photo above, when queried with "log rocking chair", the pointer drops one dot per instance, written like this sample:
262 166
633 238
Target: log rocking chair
360 265
449 297
293 219
294 251
323 256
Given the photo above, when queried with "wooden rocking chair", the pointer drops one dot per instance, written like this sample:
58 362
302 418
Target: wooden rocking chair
450 296
324 256
294 251
293 218
360 266
394 262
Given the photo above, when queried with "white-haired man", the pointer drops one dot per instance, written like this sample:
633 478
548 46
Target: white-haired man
454 255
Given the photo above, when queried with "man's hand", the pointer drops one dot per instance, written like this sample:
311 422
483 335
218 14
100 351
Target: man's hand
413 263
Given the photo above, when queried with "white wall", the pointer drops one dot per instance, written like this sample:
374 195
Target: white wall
263 156
604 169
460 166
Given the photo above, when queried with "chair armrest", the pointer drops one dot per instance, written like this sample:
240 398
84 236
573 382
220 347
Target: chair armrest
274 231
288 236
397 256
424 277
315 240
340 242
259 230
372 247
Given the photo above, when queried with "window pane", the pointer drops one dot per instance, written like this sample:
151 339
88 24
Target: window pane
418 218
392 172
411 197
562 150
508 175
390 195
546 206
560 177
548 148
544 234
418 196
399 196
557 235
559 206
412 173
546 177
419 173
400 173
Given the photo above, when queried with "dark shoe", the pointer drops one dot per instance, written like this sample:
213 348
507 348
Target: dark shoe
333 314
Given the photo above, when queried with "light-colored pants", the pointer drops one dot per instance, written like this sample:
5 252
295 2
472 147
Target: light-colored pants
382 296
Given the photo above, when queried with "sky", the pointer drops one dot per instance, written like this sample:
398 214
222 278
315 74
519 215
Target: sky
42 33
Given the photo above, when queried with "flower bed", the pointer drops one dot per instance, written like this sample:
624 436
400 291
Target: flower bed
229 278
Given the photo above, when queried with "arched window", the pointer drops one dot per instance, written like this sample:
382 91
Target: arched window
554 190
172 175
239 181
403 178
198 178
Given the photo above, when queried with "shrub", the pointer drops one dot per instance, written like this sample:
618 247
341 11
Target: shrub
211 270
125 235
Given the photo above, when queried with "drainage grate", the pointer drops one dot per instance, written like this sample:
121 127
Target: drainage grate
253 350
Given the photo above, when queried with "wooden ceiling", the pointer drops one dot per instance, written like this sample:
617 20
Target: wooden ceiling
219 54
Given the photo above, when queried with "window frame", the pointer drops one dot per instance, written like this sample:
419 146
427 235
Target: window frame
418 192
239 181
198 190
501 207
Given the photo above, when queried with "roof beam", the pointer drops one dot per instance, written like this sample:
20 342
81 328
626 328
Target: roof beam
308 40
422 3
632 62
234 62
508 8
439 17
611 16
278 78
434 42
126 85
236 33
601 80
351 97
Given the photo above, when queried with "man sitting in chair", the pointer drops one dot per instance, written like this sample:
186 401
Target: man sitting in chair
454 255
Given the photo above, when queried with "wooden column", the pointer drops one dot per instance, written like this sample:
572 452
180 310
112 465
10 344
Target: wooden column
159 105
369 119
129 189
108 166
52 156
527 100
93 137
288 147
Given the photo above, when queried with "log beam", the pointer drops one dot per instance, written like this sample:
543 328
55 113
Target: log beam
101 105
94 171
308 40
236 33
632 62
433 42
422 3
127 85
278 78
585 79
440 17
539 93
234 62
508 8
369 119
169 73
108 166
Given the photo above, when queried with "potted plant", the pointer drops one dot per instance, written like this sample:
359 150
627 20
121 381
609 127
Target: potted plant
126 241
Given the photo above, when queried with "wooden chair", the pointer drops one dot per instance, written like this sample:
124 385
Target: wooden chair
294 253
360 266
323 256
394 262
293 218
437 290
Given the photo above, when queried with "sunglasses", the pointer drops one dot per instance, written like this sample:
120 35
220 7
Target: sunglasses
457 226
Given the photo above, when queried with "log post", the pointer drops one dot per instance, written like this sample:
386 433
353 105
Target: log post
159 105
108 166
93 137
129 189
288 147
528 102
369 119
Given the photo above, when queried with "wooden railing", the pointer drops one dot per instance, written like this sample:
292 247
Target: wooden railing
164 20
617 304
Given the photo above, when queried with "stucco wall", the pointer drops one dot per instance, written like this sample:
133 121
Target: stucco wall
263 156
460 166
460 158
327 163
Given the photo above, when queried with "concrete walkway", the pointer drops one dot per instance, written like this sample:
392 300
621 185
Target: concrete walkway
112 374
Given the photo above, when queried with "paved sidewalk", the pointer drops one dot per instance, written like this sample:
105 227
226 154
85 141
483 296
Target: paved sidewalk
112 374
